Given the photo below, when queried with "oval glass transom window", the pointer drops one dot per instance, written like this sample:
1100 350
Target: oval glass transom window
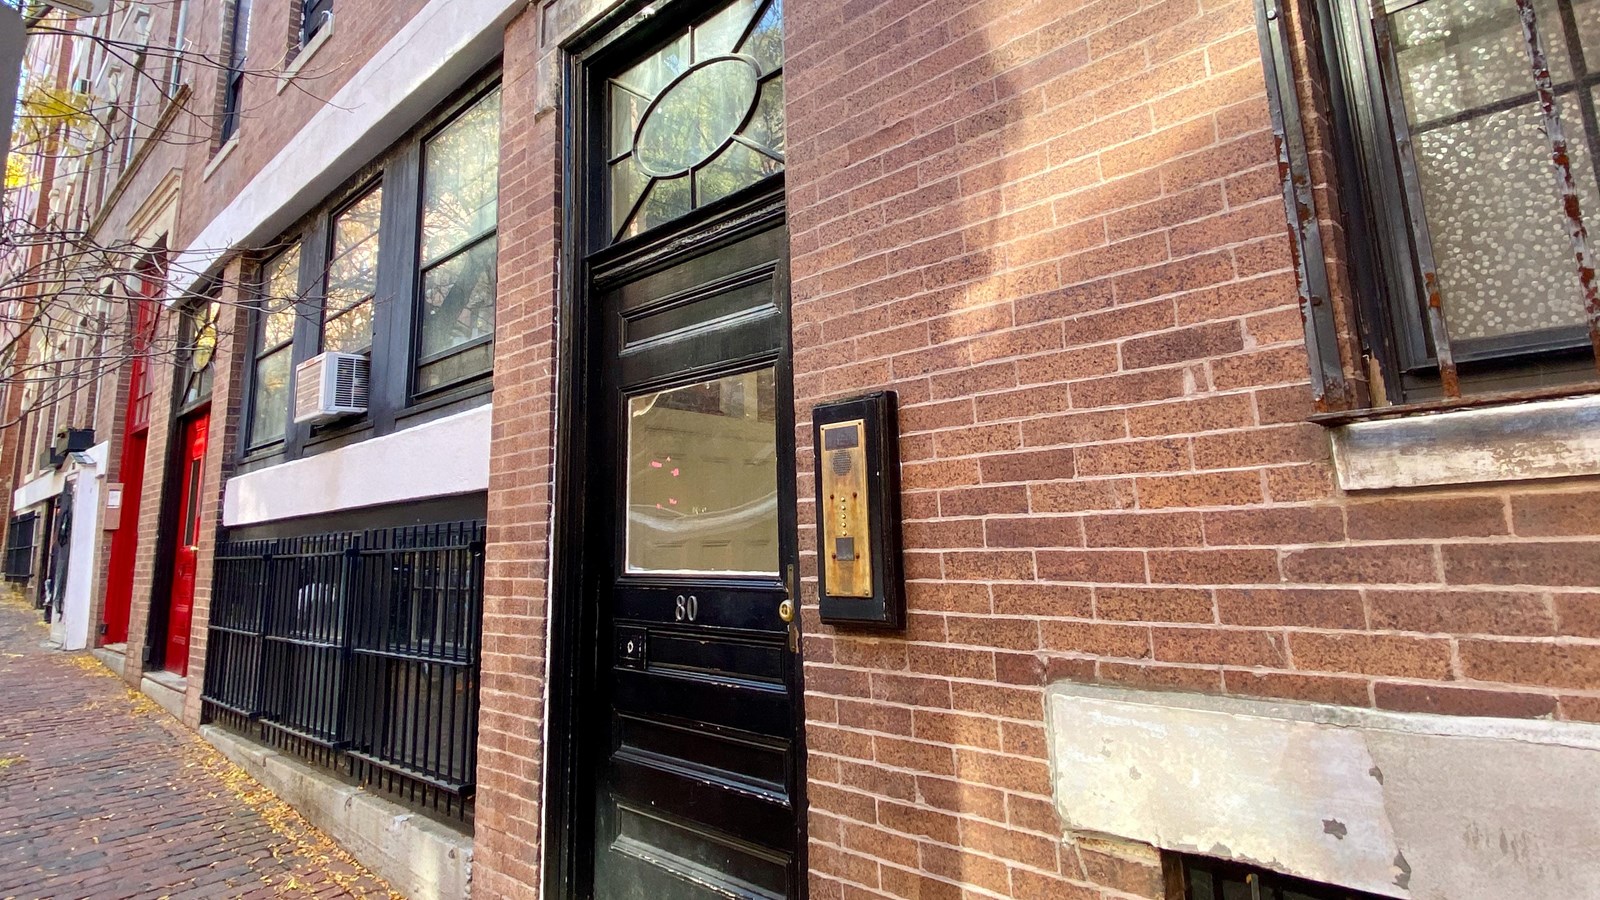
696 116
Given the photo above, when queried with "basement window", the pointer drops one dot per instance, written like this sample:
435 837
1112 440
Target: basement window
1201 878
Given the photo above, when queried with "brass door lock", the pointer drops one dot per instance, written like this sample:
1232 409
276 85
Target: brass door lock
786 611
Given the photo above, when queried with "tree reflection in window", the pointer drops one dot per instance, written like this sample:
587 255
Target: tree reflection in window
699 119
269 405
460 211
352 276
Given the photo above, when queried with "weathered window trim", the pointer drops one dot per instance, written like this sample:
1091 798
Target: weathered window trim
1329 389
1401 340
305 53
1526 441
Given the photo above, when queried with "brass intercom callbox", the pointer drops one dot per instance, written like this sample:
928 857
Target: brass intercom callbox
858 512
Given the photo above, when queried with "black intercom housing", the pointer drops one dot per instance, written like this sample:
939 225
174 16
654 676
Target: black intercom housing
859 576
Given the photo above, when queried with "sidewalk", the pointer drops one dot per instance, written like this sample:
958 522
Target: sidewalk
102 794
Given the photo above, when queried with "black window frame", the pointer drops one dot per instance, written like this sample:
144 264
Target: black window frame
260 310
1389 248
1204 878
22 539
417 361
237 49
349 199
391 402
314 16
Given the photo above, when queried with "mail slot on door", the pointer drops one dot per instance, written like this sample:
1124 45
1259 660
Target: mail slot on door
858 512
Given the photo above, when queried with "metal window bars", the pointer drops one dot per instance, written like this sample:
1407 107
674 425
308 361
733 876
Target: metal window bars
20 543
357 650
1545 91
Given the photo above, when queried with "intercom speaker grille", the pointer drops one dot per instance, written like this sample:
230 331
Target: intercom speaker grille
841 463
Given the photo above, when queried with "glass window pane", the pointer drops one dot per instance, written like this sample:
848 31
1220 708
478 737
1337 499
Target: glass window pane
350 332
718 35
703 478
1495 222
461 180
281 287
765 43
696 117
352 275
269 412
458 299
469 363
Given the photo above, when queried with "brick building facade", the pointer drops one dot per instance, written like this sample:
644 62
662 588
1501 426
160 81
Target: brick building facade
1229 559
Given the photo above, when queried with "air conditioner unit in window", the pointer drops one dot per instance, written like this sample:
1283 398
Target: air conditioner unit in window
330 386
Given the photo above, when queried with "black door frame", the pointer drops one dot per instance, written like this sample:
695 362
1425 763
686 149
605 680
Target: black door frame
572 664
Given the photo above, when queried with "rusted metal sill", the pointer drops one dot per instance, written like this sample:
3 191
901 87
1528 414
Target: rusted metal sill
1452 404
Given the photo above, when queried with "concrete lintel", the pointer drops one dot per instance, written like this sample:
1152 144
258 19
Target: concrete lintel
1547 439
419 857
1402 805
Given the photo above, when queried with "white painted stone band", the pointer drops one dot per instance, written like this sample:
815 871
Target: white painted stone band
431 56
436 459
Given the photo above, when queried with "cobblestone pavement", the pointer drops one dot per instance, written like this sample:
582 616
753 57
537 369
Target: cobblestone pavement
102 794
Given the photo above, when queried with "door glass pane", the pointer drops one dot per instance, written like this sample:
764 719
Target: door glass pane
698 119
1494 215
191 514
703 478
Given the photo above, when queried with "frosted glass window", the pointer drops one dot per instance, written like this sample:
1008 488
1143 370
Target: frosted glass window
1505 262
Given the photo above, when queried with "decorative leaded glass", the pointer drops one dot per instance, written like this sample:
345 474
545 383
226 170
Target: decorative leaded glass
699 119
1498 233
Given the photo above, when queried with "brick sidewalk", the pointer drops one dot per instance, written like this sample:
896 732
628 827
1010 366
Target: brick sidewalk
102 794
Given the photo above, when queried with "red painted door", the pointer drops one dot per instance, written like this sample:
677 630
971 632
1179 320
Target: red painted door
125 541
190 489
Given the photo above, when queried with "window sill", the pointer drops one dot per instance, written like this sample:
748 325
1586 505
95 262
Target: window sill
1557 438
223 153
304 56
483 386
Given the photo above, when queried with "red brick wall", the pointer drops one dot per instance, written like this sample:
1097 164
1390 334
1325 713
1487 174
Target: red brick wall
1056 229
157 454
511 720
270 119
222 447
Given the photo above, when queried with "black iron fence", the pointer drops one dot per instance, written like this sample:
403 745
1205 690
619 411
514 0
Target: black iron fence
358 650
21 541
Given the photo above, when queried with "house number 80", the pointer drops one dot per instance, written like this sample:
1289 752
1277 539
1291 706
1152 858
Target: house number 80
688 608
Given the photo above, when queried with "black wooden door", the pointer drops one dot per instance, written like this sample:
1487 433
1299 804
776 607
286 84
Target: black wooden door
694 485
690 715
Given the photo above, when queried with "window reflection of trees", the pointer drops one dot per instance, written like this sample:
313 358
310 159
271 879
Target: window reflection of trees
269 408
353 276
459 250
